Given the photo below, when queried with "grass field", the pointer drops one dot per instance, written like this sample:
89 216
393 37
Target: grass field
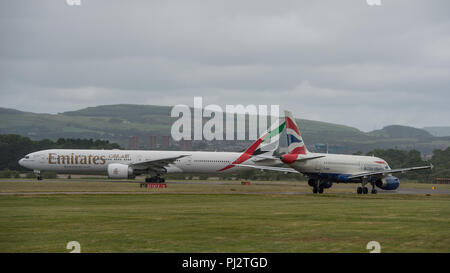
205 217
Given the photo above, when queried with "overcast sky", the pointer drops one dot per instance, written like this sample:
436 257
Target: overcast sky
337 61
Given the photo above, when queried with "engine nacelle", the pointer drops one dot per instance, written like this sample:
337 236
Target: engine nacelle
388 183
120 171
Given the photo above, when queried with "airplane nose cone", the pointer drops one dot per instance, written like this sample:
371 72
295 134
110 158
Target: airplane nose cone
21 162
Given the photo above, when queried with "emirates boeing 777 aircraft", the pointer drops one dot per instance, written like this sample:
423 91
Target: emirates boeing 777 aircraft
122 164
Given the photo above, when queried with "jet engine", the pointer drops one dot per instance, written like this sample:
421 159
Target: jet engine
388 183
120 171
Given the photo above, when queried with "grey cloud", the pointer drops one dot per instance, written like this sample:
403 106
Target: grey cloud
323 59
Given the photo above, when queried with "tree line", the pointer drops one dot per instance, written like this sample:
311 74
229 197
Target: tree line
14 147
403 159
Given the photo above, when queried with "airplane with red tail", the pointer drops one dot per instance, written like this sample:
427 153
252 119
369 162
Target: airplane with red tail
323 169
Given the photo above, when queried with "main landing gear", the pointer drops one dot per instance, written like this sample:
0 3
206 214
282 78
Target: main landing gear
317 185
155 179
365 190
317 189
362 190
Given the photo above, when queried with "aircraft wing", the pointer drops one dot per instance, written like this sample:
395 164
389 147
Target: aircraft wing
156 165
268 168
385 172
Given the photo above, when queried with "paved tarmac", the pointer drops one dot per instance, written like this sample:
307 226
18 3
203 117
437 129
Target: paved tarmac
400 190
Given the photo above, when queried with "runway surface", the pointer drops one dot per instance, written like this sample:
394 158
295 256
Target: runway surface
346 188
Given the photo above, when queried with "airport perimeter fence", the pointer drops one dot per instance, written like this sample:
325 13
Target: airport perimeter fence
442 180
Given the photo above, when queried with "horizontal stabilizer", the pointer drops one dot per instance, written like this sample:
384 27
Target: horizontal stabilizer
258 158
268 168
305 158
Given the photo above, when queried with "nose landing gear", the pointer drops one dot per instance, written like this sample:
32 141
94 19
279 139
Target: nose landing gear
38 175
373 191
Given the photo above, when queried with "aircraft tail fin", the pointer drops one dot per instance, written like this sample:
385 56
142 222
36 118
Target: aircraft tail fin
294 138
269 141
266 145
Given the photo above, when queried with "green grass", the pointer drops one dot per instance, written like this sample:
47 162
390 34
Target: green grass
224 223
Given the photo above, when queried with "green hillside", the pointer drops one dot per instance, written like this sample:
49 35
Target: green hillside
438 130
101 123
399 131
118 122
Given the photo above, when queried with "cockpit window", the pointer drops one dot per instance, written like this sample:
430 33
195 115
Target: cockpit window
27 157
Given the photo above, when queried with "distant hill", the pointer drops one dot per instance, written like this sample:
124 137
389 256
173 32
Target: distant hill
103 122
439 131
399 131
132 113
118 122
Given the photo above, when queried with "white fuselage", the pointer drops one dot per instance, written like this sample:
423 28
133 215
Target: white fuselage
97 161
336 164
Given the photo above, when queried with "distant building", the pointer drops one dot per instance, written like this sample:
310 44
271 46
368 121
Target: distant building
133 143
185 145
153 142
332 149
165 142
442 180
321 147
